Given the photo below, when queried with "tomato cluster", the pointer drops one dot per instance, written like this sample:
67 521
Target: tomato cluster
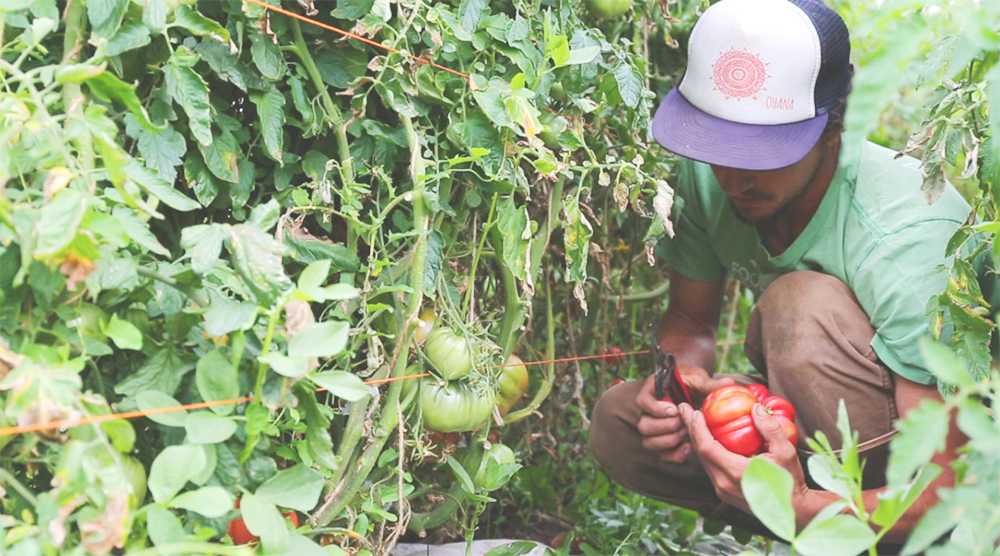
460 400
727 414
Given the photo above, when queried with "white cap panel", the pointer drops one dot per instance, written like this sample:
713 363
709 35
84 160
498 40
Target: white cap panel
753 62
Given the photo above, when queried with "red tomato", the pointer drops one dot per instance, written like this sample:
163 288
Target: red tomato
241 535
727 414
760 391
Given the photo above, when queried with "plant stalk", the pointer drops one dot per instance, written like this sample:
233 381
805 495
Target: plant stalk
75 25
550 372
344 492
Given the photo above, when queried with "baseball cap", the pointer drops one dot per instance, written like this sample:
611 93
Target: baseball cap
761 78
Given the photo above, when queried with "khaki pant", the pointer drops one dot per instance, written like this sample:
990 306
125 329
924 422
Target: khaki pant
811 340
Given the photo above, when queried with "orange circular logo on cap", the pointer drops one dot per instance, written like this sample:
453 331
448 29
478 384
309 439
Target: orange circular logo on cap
739 73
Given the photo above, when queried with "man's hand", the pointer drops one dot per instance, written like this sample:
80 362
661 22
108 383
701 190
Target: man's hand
662 429
725 469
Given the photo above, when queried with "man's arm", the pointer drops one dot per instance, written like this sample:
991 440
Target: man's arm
909 394
689 326
688 330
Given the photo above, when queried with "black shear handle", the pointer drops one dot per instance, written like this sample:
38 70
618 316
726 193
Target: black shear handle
669 383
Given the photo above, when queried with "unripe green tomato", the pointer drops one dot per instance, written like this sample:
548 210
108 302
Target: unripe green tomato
610 8
135 473
450 354
457 406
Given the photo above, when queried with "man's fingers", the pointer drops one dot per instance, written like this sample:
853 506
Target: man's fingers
653 426
664 442
774 434
647 402
709 450
678 454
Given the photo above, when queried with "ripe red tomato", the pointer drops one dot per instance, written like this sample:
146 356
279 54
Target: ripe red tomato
727 414
241 535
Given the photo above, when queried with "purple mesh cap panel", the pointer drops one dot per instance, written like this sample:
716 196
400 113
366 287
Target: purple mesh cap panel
835 51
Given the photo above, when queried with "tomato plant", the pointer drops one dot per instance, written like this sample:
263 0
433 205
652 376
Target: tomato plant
727 414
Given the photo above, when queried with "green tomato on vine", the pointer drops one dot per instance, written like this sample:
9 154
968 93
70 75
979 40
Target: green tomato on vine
609 8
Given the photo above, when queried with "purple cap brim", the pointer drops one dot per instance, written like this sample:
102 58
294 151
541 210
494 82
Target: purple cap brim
684 129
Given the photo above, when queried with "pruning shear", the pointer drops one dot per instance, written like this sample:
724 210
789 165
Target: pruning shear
668 380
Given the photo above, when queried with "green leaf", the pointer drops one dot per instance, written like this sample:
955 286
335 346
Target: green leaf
470 12
123 333
342 384
297 487
121 434
462 475
308 250
267 57
577 232
131 36
768 490
352 9
190 91
58 222
630 86
225 315
292 367
321 339
921 434
516 548
257 258
162 372
163 526
154 15
557 48
265 215
210 501
192 20
264 520
271 113
154 399
108 88
945 365
339 67
159 188
217 379
207 428
162 150
106 16
514 226
894 502
172 469
835 536
314 275
203 243
222 157
138 231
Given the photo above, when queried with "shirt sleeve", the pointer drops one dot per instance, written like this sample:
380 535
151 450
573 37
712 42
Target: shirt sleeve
894 285
690 251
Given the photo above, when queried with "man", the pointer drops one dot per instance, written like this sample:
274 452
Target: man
837 242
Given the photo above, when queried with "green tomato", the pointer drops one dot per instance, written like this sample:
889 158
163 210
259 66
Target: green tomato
450 354
455 406
610 8
135 474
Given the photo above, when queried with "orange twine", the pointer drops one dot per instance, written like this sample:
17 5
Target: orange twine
95 419
354 36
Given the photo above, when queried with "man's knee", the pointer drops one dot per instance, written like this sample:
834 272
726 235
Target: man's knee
804 293
609 424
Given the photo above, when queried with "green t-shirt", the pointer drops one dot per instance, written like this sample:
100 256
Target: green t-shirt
873 230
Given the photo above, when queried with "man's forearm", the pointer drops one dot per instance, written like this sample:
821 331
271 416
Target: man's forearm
692 343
